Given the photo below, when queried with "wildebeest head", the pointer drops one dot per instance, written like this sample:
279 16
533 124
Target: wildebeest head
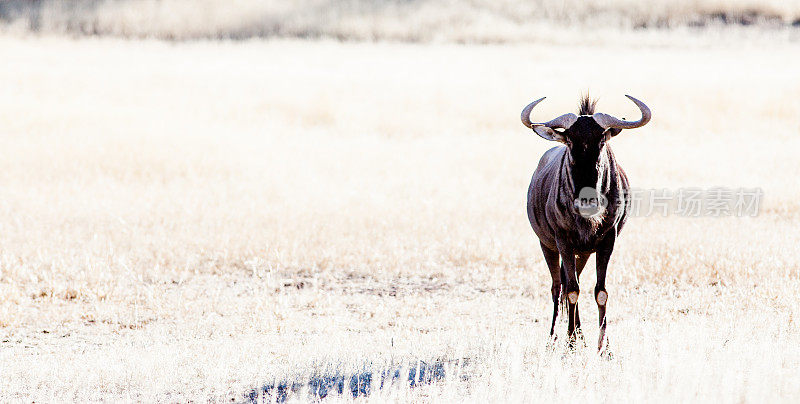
584 134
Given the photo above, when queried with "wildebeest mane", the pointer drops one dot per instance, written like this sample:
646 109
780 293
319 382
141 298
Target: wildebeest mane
587 105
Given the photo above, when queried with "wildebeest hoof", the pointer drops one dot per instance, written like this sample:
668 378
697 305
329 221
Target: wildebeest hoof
606 353
572 297
572 343
602 297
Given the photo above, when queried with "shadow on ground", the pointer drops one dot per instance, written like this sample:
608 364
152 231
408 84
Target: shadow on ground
359 384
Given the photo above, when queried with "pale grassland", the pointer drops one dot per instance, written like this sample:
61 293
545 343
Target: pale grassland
188 221
395 20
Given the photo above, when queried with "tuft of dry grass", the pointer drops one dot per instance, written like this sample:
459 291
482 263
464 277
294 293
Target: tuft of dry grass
187 221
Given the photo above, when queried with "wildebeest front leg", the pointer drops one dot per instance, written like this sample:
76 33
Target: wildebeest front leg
580 262
551 257
600 293
572 288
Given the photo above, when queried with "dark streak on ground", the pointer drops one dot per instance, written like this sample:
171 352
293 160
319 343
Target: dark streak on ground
357 385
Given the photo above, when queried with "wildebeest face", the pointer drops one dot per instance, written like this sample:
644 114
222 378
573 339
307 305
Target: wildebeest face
586 139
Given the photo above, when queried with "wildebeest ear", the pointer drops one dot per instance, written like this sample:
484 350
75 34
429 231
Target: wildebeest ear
548 133
611 132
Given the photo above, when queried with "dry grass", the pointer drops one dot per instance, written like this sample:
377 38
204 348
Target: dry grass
188 221
397 20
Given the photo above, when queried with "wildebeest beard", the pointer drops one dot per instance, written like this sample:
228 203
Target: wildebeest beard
584 175
589 172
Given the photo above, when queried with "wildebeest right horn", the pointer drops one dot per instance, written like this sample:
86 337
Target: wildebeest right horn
607 121
563 121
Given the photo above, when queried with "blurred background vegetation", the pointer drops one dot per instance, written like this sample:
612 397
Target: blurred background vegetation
473 21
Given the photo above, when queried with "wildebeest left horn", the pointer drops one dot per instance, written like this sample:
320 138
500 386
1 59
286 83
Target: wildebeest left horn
563 121
607 121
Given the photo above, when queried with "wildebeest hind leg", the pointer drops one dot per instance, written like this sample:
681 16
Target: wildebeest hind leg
563 288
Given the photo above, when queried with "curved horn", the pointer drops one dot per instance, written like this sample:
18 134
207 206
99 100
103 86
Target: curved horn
563 121
607 121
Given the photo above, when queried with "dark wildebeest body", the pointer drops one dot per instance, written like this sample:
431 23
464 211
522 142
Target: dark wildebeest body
568 228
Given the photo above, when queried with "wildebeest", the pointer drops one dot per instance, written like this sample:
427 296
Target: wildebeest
578 201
